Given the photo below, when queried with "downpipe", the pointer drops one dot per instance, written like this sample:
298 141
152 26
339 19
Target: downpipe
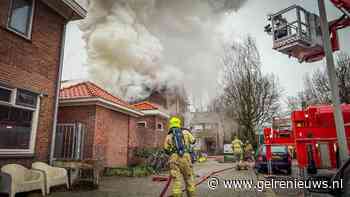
58 87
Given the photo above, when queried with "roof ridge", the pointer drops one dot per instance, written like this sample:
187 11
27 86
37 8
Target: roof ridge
92 90
73 85
138 103
149 105
146 102
143 103
105 91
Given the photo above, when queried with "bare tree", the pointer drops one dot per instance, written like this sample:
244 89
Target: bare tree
298 102
317 89
293 103
343 74
249 97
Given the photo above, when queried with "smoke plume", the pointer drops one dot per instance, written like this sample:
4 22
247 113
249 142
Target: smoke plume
139 46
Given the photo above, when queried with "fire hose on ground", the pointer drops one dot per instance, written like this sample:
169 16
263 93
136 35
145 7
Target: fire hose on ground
201 180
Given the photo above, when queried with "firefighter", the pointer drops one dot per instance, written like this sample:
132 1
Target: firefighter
177 145
281 27
237 148
248 150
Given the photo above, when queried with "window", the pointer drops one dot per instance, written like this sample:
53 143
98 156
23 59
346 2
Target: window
18 121
21 17
5 95
284 135
141 124
15 127
209 126
276 149
198 127
26 98
160 126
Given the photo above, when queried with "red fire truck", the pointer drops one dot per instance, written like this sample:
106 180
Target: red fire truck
313 135
316 137
281 132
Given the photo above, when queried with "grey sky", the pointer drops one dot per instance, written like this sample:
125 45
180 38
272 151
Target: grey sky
248 20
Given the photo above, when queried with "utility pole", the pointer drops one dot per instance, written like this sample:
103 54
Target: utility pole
333 81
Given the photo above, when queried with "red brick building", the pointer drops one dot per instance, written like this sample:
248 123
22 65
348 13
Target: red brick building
153 124
110 122
113 128
31 50
174 101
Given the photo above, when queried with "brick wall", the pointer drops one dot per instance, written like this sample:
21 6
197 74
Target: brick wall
33 65
162 134
145 137
112 136
109 132
135 141
152 137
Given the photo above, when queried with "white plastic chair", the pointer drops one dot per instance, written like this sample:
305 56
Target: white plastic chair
23 179
54 176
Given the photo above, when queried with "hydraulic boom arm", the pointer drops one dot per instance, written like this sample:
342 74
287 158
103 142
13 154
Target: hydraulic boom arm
334 26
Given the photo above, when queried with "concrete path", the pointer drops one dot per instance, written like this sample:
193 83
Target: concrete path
135 187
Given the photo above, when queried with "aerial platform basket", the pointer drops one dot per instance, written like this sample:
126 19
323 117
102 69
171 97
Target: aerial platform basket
297 33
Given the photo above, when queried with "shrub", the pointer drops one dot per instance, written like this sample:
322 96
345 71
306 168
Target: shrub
156 158
140 171
119 172
145 152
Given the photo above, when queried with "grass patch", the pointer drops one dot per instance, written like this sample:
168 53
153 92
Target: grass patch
229 158
135 171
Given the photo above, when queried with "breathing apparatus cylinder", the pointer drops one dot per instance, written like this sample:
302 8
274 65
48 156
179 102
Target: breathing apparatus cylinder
178 140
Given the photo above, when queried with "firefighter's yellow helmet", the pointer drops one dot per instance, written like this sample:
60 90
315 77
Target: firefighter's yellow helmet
174 122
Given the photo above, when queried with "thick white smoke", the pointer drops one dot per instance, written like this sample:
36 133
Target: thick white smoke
138 46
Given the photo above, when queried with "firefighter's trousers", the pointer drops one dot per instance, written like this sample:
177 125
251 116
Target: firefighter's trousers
238 155
181 167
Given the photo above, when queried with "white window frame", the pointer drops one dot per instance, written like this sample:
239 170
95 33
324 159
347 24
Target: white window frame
34 126
198 127
141 122
12 97
27 36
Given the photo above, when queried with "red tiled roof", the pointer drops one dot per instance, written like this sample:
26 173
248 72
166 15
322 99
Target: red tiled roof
90 90
146 106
